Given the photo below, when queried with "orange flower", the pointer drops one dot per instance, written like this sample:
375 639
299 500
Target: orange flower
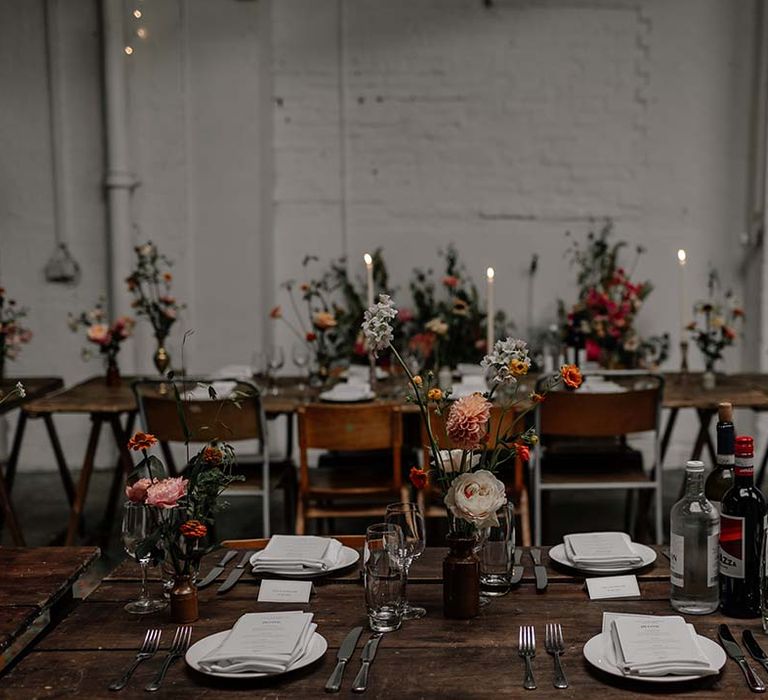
212 455
435 394
311 337
523 451
304 287
276 312
536 398
141 441
419 478
738 312
691 326
417 380
451 281
324 320
193 529
167 277
467 422
571 375
518 367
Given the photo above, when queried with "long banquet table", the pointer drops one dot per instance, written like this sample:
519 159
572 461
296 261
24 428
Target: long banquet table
428 658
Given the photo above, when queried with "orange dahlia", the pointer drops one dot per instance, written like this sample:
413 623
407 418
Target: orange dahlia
141 441
193 529
571 375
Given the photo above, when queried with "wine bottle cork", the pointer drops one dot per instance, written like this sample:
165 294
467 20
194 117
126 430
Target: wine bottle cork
725 412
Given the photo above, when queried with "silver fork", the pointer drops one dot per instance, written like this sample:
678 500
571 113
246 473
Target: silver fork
178 648
527 649
148 649
554 644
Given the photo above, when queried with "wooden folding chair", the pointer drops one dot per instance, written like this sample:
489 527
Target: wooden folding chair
353 541
634 408
365 488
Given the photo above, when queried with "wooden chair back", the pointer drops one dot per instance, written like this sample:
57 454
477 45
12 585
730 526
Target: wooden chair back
353 541
215 419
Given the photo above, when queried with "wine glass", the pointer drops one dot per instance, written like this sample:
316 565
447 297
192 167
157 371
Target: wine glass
138 523
275 362
300 356
411 521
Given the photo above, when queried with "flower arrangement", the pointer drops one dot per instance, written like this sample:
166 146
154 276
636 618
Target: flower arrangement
715 319
150 285
466 475
13 334
447 324
105 336
608 303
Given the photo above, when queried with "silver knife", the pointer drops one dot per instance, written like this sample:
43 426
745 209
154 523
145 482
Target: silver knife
219 568
517 569
755 650
360 683
539 571
734 651
344 654
235 574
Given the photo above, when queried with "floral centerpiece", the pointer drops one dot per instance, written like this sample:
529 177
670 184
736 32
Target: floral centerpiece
150 285
13 334
105 336
715 321
466 476
603 318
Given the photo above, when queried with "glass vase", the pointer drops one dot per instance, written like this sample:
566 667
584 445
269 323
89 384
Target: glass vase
113 372
461 578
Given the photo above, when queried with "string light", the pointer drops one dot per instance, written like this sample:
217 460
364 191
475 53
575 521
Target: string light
141 33
128 50
137 14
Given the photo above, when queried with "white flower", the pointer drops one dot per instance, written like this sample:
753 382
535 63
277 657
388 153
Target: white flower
475 497
377 324
450 460
21 390
437 326
508 360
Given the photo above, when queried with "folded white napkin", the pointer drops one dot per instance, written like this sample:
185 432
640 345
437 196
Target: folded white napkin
299 553
236 371
469 385
601 549
651 645
598 385
262 643
201 392
348 392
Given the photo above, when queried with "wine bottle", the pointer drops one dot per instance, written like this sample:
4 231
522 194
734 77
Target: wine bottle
694 557
742 525
720 479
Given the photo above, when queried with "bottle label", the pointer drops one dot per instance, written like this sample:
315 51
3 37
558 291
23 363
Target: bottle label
732 546
677 559
713 559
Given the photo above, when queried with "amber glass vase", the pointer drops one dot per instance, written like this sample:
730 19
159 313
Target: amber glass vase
461 579
184 607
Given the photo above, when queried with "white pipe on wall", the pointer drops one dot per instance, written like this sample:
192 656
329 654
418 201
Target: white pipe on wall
119 179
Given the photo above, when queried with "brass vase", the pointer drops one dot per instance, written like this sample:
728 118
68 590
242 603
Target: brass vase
461 579
161 358
184 607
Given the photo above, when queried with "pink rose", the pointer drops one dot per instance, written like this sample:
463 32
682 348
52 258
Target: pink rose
166 493
137 492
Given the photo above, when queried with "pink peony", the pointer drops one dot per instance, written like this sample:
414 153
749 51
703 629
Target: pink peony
467 423
137 492
166 493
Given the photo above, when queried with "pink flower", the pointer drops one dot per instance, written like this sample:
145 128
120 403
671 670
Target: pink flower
467 423
451 281
98 333
137 492
166 493
405 315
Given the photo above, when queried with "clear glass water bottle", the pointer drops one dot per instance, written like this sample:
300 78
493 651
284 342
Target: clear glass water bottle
694 547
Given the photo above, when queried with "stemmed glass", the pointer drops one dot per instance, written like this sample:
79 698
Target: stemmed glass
138 523
301 360
411 521
275 362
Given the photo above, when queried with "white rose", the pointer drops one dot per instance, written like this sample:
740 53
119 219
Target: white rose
451 461
475 497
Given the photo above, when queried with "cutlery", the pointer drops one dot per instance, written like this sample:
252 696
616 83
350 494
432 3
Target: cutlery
734 651
517 569
539 570
178 648
346 650
754 648
148 649
369 652
236 573
554 644
526 647
218 569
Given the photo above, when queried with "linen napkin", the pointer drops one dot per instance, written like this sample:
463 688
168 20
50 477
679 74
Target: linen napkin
299 553
651 645
348 392
262 643
201 393
604 549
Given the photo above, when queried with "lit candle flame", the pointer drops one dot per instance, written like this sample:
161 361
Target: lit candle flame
490 273
681 256
368 259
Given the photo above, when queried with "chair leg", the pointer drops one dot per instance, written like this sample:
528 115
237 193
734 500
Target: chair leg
85 478
301 523
525 518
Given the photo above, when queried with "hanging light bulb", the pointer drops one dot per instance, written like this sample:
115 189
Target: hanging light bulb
128 50
141 32
137 14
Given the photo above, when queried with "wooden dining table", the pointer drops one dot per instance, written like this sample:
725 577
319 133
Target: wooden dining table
429 658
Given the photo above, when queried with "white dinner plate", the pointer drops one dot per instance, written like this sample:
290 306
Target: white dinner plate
340 398
348 557
317 647
557 553
595 654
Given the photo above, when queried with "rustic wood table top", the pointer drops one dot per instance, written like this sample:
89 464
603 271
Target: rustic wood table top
34 387
34 581
433 657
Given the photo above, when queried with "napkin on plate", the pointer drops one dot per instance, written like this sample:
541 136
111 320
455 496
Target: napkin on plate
348 392
651 645
262 643
601 549
299 553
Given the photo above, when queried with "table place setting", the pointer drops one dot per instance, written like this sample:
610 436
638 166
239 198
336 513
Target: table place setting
302 556
602 553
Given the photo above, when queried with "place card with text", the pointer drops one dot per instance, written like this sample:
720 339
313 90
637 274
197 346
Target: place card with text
272 591
613 587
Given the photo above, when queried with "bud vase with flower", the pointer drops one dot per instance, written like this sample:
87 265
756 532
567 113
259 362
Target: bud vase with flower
466 475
